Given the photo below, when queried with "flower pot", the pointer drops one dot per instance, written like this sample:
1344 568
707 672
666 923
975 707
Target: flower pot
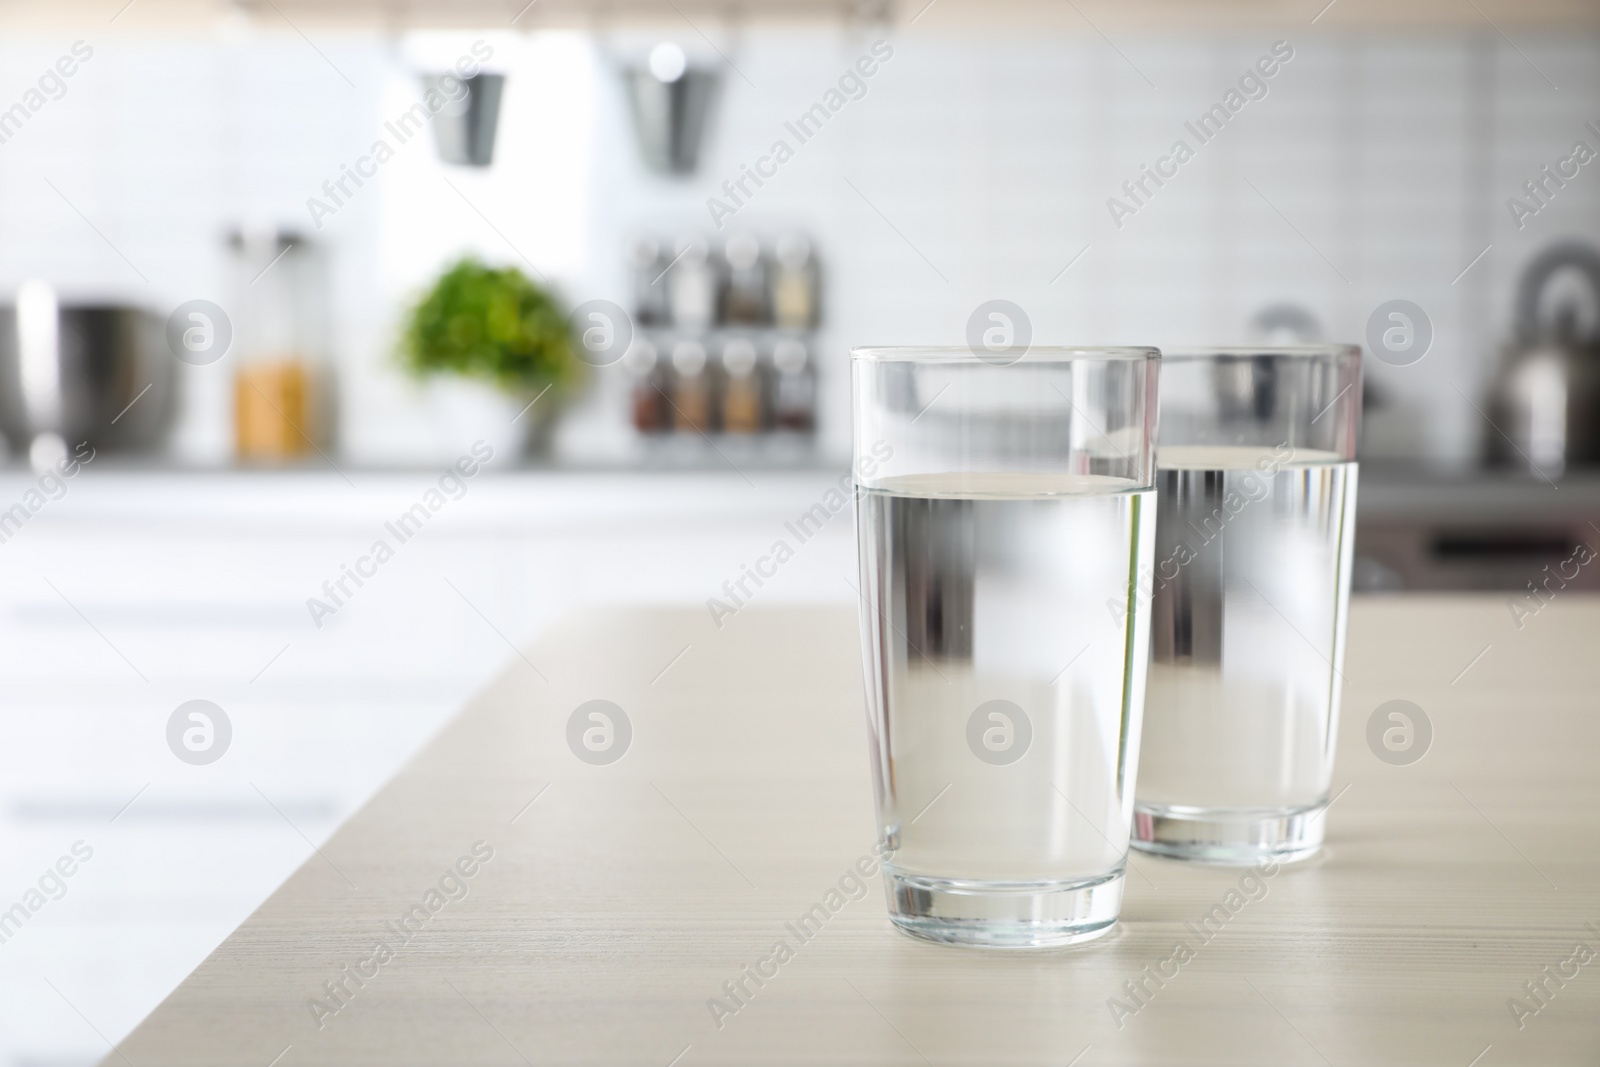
471 410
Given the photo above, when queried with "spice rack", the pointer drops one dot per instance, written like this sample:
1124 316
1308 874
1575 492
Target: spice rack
725 342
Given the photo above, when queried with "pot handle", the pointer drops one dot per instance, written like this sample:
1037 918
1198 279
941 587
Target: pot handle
1537 274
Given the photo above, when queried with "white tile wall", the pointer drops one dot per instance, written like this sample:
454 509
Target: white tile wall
991 154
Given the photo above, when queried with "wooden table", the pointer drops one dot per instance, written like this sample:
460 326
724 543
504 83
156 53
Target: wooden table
621 897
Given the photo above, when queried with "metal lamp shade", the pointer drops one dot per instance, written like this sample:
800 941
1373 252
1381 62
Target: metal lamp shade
669 117
463 131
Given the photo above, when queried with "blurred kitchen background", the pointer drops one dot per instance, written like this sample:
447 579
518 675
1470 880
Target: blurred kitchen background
197 161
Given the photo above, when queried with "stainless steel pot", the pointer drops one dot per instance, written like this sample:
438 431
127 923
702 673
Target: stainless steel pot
1546 398
82 372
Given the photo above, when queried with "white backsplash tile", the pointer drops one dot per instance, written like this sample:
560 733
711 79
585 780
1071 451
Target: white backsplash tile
992 155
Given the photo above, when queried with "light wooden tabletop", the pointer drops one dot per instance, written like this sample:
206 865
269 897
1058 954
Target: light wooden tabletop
620 898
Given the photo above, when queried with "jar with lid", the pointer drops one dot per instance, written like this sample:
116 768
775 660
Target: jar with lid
691 387
741 387
794 387
646 265
281 384
647 402
692 285
795 284
745 296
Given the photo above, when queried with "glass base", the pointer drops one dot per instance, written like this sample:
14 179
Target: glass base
1003 914
1230 836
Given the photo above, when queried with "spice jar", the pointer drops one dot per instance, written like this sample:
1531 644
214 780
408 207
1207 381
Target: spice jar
646 401
794 387
646 264
692 285
691 388
744 298
794 284
741 389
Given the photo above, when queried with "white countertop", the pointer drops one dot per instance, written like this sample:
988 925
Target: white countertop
615 900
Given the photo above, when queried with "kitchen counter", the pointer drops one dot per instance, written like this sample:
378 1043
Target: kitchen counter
598 908
1477 530
1390 490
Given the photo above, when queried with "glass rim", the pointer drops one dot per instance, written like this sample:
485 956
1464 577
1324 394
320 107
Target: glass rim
1197 353
1030 354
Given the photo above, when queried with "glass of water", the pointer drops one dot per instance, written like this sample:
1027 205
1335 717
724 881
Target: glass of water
1004 507
1256 492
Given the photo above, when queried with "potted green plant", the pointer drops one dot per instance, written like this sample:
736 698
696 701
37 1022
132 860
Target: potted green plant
490 341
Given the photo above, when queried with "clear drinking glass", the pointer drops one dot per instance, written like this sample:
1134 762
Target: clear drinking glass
1256 491
1003 509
